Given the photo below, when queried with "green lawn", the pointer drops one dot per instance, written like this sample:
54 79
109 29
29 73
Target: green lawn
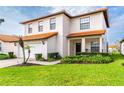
66 74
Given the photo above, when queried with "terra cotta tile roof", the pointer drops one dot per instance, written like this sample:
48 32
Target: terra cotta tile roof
86 33
8 38
39 36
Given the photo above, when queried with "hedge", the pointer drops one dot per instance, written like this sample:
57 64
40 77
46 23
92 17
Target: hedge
54 55
91 54
88 58
4 56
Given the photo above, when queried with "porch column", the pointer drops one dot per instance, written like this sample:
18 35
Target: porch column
83 45
68 47
101 44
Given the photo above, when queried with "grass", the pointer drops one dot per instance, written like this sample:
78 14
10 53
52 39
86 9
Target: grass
111 74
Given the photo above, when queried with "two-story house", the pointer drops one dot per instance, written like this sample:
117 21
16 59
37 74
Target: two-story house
66 34
60 32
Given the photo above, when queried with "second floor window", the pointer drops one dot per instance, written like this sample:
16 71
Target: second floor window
0 47
30 28
84 23
40 27
52 24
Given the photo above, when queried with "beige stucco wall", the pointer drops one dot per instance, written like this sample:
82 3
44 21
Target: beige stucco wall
66 31
96 22
2 43
9 47
51 44
46 25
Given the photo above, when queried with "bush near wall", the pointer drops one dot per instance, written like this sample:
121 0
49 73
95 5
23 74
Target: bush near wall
11 55
53 56
91 54
39 57
4 56
91 58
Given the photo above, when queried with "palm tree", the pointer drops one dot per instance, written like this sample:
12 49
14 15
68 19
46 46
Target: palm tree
21 43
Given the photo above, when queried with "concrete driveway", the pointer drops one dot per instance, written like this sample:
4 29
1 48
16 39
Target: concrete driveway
11 62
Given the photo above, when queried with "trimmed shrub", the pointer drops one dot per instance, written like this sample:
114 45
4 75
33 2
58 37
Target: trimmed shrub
11 55
39 57
4 56
91 54
92 59
54 55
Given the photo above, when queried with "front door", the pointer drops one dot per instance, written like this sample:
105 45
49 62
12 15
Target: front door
78 48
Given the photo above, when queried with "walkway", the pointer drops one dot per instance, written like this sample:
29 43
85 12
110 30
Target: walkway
11 62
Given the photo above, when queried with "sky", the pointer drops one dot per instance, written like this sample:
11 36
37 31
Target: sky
16 14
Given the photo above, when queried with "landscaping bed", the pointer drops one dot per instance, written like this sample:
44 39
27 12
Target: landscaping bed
10 55
4 56
51 57
89 58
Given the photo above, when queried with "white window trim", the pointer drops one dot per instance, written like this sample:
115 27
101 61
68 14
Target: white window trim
30 26
85 22
52 23
40 25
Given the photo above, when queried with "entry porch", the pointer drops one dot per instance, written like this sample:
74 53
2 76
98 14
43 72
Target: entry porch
86 44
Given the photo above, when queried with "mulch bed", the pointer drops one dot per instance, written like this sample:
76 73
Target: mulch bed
27 64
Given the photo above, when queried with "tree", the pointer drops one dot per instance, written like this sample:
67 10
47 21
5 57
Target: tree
1 20
29 51
21 43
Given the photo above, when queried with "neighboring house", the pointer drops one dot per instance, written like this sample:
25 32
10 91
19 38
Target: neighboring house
7 45
68 35
122 46
113 48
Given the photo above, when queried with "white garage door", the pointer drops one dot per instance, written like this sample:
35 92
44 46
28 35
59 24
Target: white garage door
35 49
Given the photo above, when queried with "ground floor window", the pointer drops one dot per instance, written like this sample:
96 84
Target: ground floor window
94 46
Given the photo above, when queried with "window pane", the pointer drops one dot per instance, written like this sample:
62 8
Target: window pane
52 26
84 23
94 46
30 28
52 20
41 23
52 23
85 20
84 26
40 28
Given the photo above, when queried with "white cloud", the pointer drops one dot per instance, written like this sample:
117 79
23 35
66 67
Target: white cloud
73 10
116 31
12 18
